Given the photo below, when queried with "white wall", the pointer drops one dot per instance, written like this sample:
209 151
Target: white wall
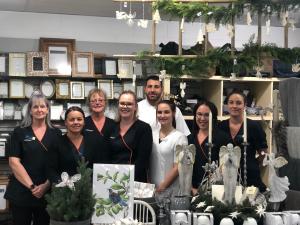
115 33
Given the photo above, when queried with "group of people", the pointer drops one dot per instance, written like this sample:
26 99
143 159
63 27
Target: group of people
144 134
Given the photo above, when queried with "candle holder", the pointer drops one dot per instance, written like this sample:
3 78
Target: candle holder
245 145
208 166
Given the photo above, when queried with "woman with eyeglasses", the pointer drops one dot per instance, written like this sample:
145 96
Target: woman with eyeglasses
132 139
98 127
31 144
199 138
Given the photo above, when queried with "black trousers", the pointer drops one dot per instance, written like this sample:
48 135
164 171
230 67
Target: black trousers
22 215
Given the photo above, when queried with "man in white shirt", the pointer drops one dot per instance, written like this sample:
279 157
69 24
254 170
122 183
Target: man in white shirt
147 107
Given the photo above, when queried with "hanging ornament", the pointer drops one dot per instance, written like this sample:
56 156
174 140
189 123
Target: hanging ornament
120 15
125 4
296 67
182 24
200 38
210 27
142 22
130 16
230 30
284 17
249 19
268 26
156 16
182 86
292 24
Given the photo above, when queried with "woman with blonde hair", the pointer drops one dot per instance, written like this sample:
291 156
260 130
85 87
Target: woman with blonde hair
132 139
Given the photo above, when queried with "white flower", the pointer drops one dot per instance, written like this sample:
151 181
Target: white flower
209 208
260 210
194 198
234 214
200 205
68 181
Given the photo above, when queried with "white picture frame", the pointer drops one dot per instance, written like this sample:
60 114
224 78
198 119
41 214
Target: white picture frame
16 88
110 179
47 87
125 68
107 86
17 64
56 111
3 89
77 89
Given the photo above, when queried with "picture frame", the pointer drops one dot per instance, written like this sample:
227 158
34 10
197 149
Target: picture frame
29 88
103 186
3 202
138 68
4 64
60 55
62 89
47 87
127 86
88 86
16 88
107 86
110 67
82 64
17 64
140 91
8 111
56 111
3 89
98 64
77 89
125 67
37 63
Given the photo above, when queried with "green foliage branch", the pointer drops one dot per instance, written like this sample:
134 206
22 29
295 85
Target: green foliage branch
65 204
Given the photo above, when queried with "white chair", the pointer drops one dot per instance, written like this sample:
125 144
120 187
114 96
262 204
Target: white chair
144 212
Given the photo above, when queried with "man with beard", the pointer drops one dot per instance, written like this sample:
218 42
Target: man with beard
147 107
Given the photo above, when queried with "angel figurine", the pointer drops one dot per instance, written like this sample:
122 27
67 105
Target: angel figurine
229 162
277 185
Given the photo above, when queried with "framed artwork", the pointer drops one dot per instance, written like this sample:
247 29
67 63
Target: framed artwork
77 89
28 89
62 89
8 111
118 88
60 54
140 91
111 180
56 111
110 66
17 64
107 86
37 64
125 68
3 89
87 87
47 87
83 64
138 68
3 64
16 88
98 64
3 201
127 86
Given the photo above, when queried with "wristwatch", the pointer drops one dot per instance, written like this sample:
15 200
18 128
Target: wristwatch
31 186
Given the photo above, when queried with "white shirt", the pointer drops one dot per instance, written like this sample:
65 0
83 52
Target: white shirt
147 113
163 156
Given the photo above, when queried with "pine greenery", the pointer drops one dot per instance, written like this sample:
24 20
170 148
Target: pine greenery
65 204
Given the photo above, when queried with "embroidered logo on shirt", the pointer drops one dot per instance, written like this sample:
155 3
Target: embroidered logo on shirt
89 130
29 138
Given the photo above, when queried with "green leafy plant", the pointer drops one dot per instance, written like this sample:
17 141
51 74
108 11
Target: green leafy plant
73 204
118 194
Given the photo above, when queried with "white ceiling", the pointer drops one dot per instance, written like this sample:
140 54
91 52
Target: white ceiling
101 8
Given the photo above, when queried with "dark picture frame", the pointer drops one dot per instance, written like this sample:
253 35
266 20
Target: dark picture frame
37 64
110 67
98 64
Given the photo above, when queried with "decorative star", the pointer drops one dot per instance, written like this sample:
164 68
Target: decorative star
201 204
260 210
209 208
68 181
234 214
194 198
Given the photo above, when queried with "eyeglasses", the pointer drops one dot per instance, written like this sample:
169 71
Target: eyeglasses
126 104
205 115
95 101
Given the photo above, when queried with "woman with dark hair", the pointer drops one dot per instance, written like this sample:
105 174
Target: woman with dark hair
164 169
256 138
199 138
98 127
132 139
74 145
31 144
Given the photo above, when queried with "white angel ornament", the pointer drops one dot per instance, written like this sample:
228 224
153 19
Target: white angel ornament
277 185
229 162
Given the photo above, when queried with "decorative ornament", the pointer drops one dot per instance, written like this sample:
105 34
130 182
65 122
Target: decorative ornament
260 210
130 16
250 221
296 67
156 16
234 215
182 87
120 15
181 218
142 22
162 75
200 38
278 185
249 19
182 24
209 208
226 221
230 30
201 205
292 24
210 27
284 17
268 26
68 181
194 198
258 70
203 220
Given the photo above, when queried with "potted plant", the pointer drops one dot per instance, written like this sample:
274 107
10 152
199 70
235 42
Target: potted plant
72 200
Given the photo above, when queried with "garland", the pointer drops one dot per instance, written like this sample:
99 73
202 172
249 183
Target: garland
223 14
